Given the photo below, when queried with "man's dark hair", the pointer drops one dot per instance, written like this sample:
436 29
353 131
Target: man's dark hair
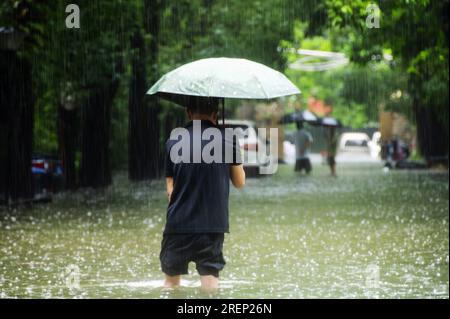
204 105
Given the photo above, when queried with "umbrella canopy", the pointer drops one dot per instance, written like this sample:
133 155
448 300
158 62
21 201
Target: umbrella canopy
222 78
330 121
303 116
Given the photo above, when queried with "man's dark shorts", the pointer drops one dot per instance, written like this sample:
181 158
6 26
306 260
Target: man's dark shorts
303 164
177 250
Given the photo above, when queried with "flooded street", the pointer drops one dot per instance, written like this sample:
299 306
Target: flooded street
365 234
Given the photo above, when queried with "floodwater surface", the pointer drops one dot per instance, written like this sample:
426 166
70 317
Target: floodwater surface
366 234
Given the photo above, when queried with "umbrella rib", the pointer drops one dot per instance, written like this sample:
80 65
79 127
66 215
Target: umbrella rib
262 87
210 85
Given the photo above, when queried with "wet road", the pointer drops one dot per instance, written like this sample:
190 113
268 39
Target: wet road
365 234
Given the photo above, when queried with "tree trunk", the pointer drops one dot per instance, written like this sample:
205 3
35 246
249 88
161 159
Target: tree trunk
432 131
16 109
152 10
156 156
432 134
139 134
67 139
96 124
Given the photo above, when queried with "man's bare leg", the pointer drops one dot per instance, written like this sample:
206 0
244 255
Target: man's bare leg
172 281
209 283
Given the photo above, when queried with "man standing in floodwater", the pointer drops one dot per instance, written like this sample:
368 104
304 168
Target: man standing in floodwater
198 192
303 141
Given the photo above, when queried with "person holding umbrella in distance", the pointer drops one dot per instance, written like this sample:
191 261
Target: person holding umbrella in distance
198 192
302 138
331 124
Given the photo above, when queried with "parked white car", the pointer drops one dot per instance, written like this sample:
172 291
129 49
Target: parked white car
250 145
354 143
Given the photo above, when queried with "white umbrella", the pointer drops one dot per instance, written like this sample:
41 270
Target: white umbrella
223 78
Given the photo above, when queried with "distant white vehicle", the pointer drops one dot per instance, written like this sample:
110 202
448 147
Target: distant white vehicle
355 143
250 145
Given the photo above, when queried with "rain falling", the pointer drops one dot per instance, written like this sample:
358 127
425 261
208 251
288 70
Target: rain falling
337 186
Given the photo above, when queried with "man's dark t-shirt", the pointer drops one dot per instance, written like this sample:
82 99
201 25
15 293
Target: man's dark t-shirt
199 201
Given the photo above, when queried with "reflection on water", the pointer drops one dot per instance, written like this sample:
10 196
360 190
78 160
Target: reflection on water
366 234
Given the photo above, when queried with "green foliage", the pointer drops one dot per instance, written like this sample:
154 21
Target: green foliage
417 34
352 114
205 28
73 61
415 31
29 18
356 93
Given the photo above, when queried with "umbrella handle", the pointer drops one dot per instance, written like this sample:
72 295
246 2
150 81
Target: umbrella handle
223 112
